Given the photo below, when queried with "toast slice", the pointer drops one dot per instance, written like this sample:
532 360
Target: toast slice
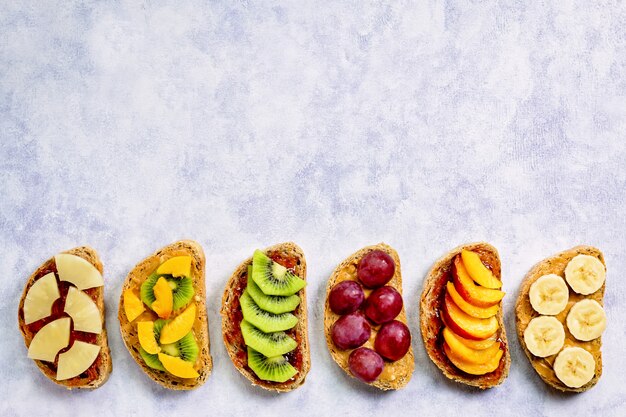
431 323
99 372
395 375
291 256
524 313
135 278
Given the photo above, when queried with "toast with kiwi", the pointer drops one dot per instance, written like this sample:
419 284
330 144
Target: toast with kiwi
163 318
264 318
53 288
395 374
434 295
555 268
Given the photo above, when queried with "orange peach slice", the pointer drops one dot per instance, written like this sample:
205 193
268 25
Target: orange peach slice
472 293
179 327
178 266
472 310
467 354
133 307
476 344
177 366
478 271
145 333
465 325
470 368
164 299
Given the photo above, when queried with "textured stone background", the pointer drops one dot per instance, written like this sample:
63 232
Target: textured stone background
125 125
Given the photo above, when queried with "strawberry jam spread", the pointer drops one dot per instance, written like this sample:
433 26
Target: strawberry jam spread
234 336
91 374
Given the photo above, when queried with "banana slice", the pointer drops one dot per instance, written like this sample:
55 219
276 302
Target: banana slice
544 336
574 367
549 295
586 320
585 274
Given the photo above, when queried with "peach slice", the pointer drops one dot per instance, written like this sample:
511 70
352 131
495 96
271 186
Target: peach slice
179 327
467 354
164 298
133 307
476 344
472 310
145 333
470 368
465 325
478 271
472 293
177 366
178 266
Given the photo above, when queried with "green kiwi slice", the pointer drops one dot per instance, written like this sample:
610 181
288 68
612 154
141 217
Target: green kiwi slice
151 360
264 321
272 277
182 290
273 368
268 344
273 303
186 348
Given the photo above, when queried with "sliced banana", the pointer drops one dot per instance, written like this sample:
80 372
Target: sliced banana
549 295
574 366
544 336
586 320
585 274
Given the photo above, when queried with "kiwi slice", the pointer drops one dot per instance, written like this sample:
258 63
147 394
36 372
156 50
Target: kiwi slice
264 321
273 368
151 360
268 344
186 348
273 303
272 277
182 290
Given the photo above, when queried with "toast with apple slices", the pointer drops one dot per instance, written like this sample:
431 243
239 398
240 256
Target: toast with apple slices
287 254
99 371
130 331
435 299
396 374
524 312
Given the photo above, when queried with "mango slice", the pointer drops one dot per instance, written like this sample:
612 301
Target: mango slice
145 333
177 366
133 307
164 299
179 327
178 266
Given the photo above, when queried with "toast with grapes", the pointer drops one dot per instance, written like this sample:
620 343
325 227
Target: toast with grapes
163 317
264 318
461 316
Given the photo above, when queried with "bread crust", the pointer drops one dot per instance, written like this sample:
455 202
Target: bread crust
235 351
524 312
431 324
397 374
105 366
201 326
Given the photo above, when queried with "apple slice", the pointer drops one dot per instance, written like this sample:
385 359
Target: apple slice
78 271
472 293
40 298
472 310
465 325
470 368
84 311
467 354
478 271
476 344
50 339
76 360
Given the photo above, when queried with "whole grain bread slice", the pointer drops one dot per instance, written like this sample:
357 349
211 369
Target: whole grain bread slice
431 324
105 364
231 331
200 328
524 312
395 375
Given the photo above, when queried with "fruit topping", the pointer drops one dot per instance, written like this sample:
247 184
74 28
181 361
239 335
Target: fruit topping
478 271
163 298
48 341
263 320
133 306
376 269
476 344
78 271
178 266
273 278
350 331
346 297
574 366
586 320
471 368
40 297
83 311
549 295
268 344
76 360
271 303
175 329
273 368
467 354
365 364
472 310
465 325
393 340
472 293
177 366
182 290
383 305
147 339
544 336
585 274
